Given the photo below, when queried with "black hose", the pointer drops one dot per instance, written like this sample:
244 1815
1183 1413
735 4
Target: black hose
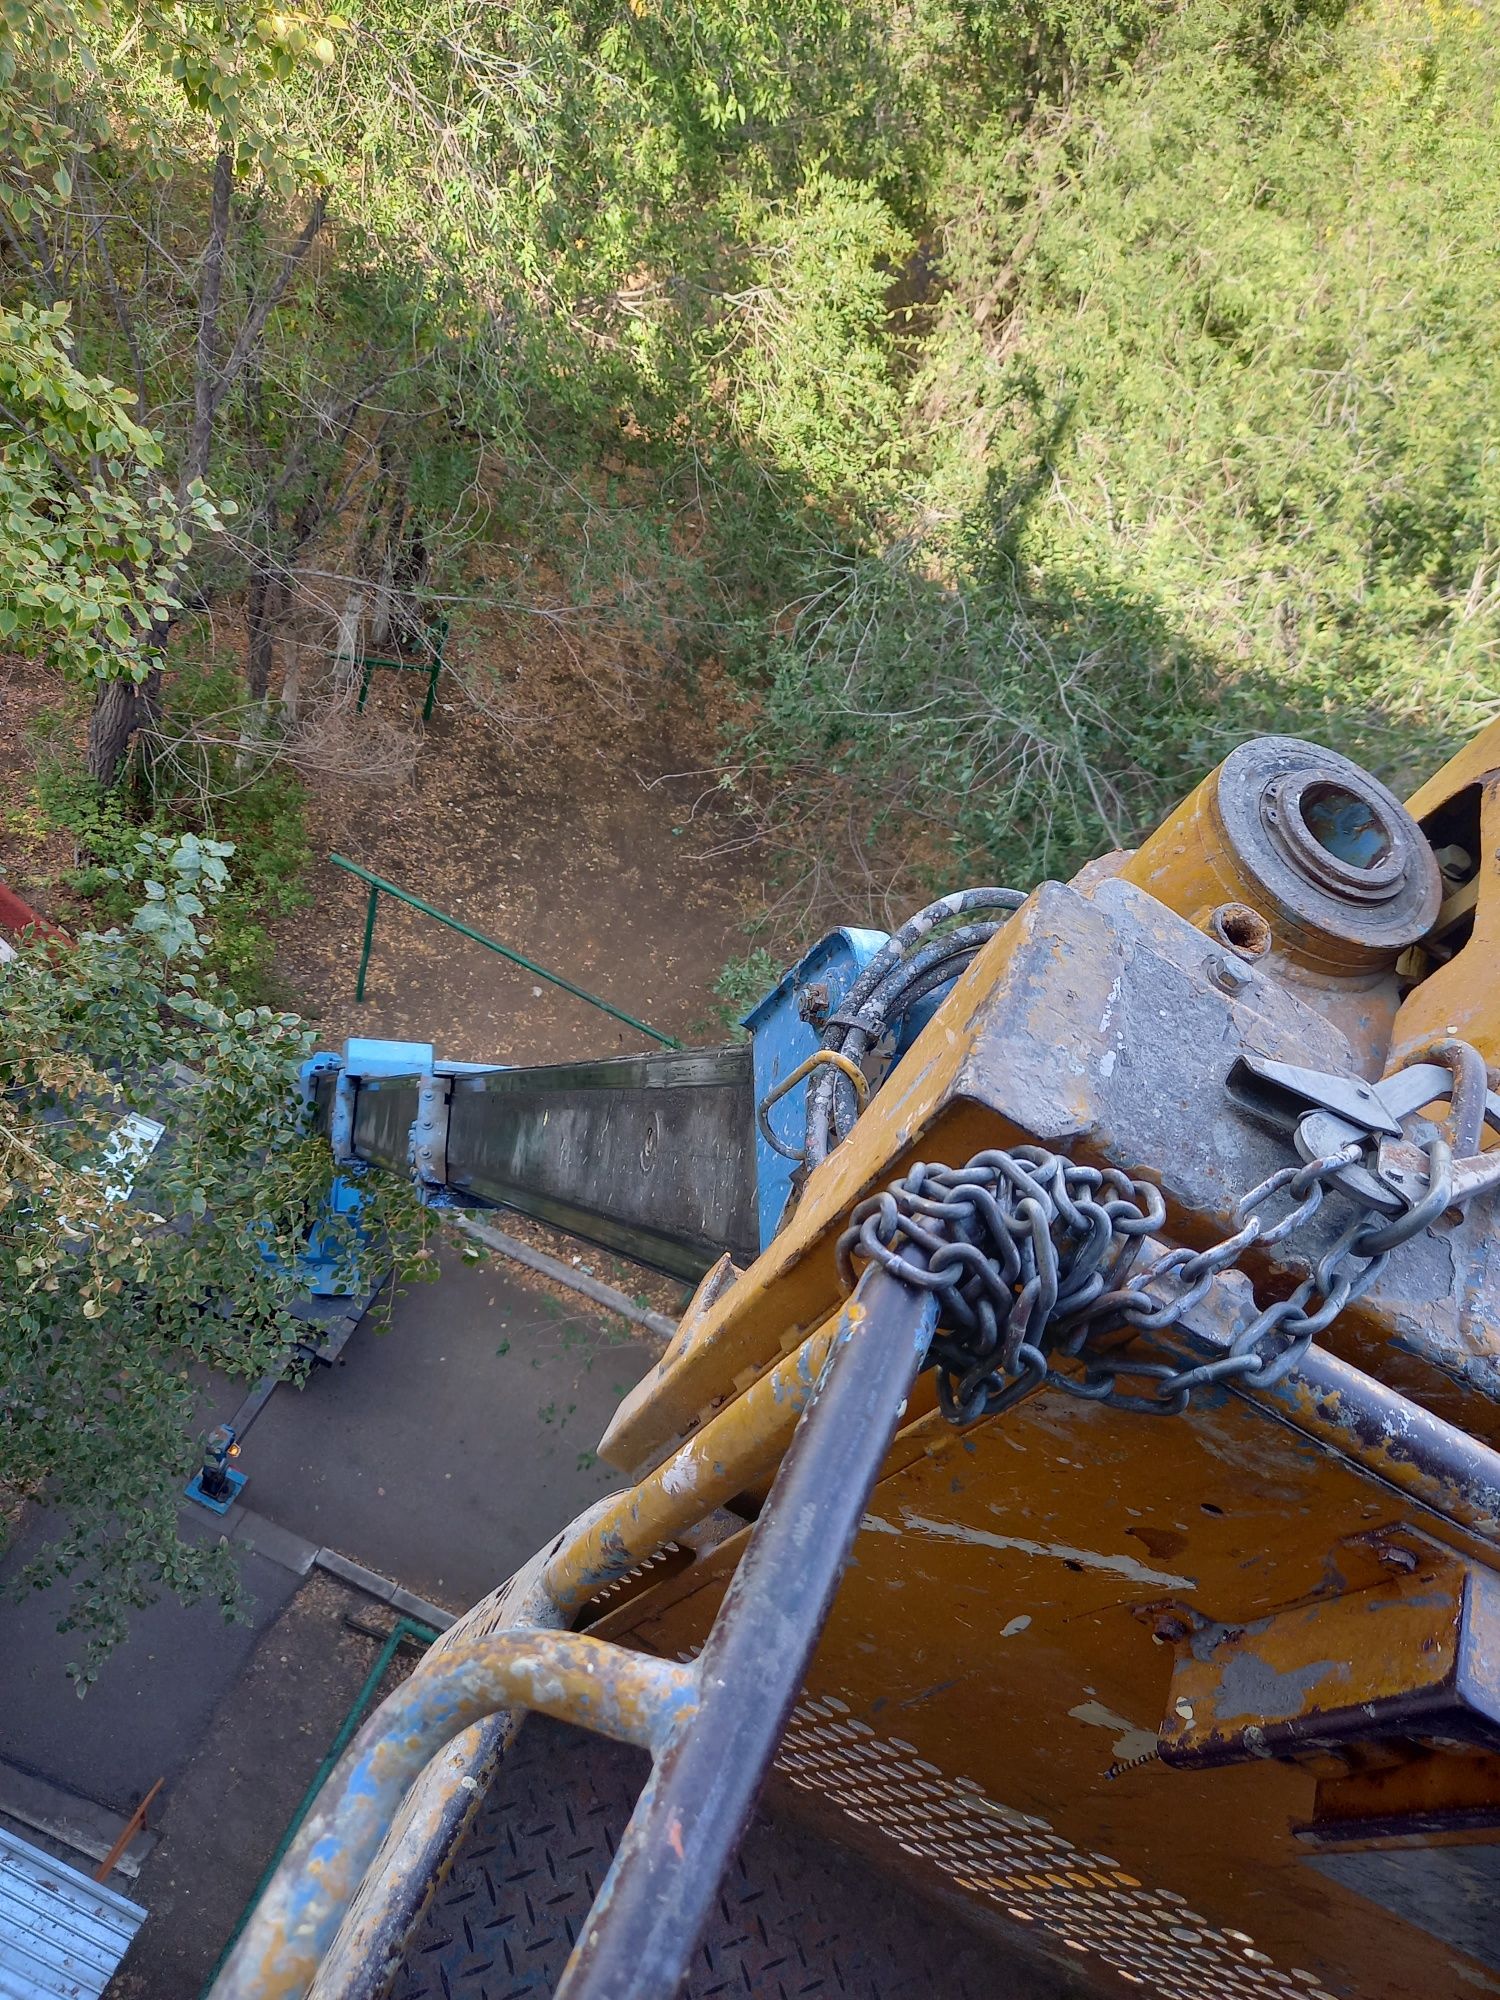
907 967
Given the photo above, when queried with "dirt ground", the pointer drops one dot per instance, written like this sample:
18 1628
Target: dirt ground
570 814
575 819
234 1800
575 822
32 857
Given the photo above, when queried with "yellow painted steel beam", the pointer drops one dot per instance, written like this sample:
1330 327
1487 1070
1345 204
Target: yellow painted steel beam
733 1452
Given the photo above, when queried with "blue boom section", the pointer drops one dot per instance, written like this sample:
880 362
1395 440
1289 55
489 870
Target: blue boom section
585 1144
786 1027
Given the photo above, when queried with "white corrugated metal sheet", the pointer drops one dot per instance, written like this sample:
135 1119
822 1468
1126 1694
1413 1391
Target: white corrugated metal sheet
61 1935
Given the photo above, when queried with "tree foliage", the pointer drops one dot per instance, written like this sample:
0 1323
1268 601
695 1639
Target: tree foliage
91 542
1201 440
1044 392
126 1269
1022 399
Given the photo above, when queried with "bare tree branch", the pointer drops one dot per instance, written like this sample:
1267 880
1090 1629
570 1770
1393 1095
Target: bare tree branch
207 393
255 320
121 310
19 424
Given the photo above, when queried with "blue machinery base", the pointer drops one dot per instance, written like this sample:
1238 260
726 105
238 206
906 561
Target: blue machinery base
237 1482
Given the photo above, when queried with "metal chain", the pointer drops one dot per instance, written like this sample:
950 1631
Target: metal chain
1033 1257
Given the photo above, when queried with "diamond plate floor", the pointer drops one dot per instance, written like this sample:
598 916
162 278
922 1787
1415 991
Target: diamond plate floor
797 1919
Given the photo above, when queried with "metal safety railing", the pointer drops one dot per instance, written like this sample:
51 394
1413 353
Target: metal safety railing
819 1424
404 1631
712 1726
434 639
379 887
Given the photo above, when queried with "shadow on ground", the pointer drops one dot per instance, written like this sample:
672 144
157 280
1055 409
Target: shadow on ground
444 1451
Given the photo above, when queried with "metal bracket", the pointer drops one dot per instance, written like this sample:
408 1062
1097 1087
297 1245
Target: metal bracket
341 1119
1326 1112
1411 1659
429 1131
1286 1093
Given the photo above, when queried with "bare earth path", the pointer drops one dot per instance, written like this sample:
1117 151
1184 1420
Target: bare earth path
585 840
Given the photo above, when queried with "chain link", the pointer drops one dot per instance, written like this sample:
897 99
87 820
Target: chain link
1034 1258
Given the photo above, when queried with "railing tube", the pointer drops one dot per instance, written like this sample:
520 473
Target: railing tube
364 956
379 886
630 1696
713 1727
642 1932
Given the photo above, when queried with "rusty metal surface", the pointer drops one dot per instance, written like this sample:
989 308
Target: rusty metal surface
1412 1658
1474 761
990 1627
1091 1026
712 1727
1428 1460
733 1451
1413 1797
682 1836
991 1684
990 1660
1462 996
427 1828
623 1694
1250 834
1395 1441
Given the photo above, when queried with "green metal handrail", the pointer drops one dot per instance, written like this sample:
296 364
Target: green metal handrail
403 1631
380 887
436 638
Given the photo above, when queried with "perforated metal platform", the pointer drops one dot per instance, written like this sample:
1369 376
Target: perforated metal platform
797 1918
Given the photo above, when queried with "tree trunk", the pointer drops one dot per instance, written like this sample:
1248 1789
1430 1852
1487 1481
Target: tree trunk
383 610
346 652
260 613
260 624
208 391
110 729
291 679
118 708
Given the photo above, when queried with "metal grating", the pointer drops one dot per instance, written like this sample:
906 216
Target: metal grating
624 1584
796 1917
61 1935
1017 1862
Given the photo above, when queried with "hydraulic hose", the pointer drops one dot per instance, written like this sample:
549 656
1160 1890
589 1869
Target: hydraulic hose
909 966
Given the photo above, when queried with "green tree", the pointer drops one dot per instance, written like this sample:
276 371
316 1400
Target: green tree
127 1268
100 104
91 541
1025 399
1198 439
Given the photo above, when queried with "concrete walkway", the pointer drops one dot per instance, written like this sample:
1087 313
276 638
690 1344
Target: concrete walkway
444 1451
439 1452
155 1696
